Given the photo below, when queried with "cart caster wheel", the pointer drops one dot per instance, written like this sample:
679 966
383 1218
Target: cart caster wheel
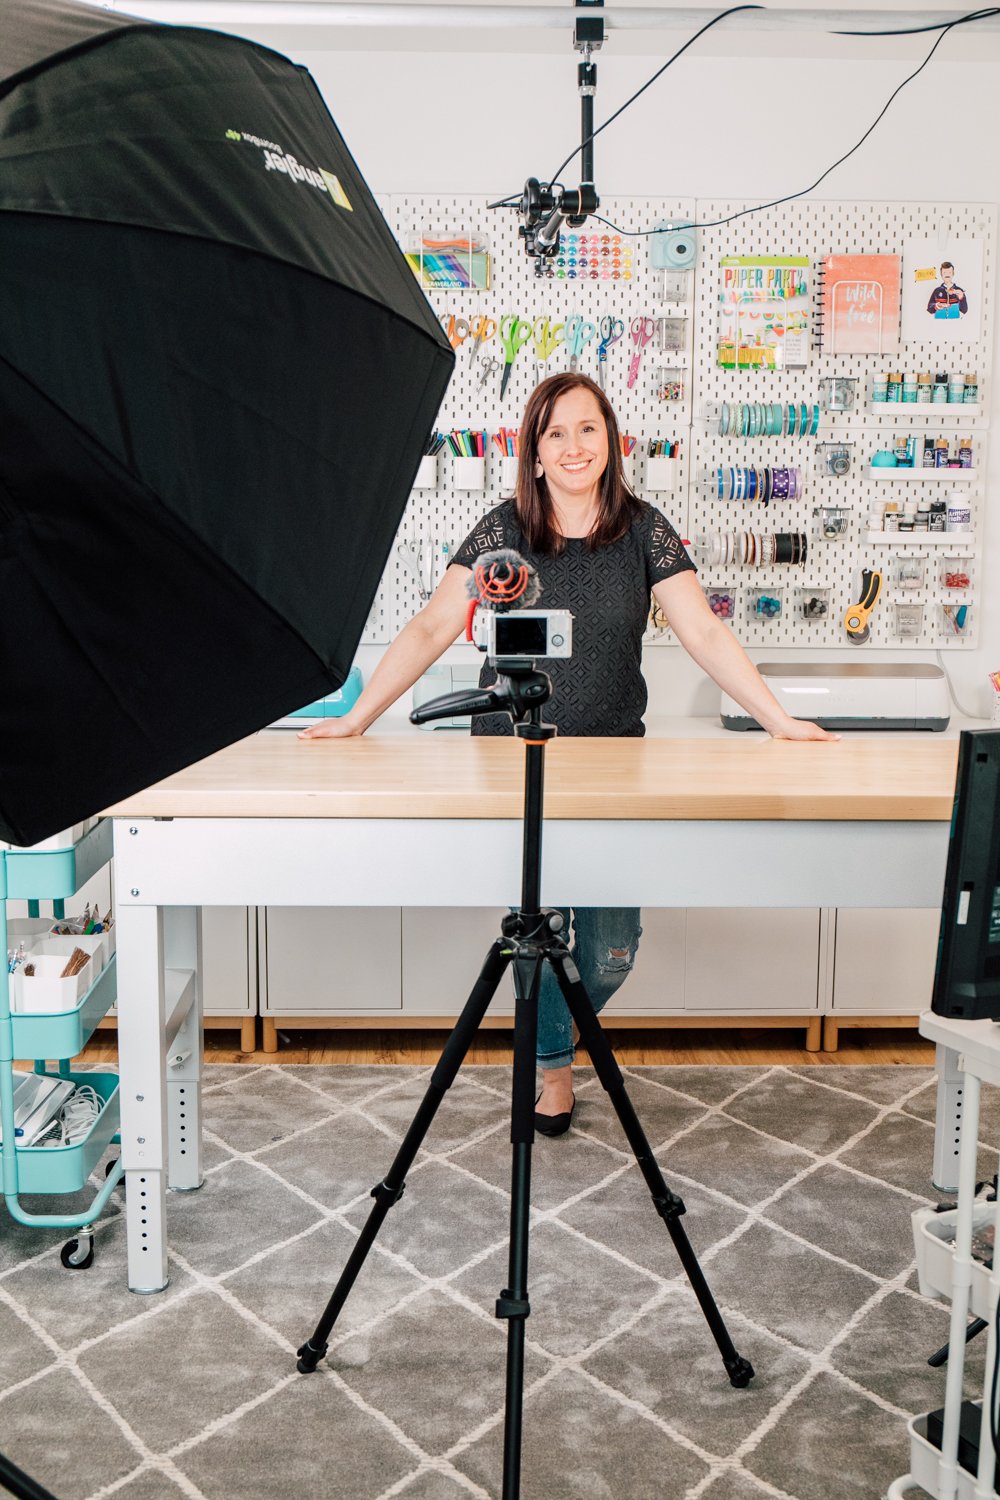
77 1257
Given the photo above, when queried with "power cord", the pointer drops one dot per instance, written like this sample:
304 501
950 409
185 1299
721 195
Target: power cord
75 1120
951 689
943 26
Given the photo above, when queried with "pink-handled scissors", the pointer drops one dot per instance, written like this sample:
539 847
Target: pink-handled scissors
643 330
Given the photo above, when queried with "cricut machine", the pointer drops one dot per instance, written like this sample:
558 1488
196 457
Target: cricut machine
447 677
853 695
333 706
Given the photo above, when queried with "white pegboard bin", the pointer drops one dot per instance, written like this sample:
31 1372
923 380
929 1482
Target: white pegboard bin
808 227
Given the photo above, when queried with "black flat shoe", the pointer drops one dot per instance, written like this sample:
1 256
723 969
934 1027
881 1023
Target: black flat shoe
554 1124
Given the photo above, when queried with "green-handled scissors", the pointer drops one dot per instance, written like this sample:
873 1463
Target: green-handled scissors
515 334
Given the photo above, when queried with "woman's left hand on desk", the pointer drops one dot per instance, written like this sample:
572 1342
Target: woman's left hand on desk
801 729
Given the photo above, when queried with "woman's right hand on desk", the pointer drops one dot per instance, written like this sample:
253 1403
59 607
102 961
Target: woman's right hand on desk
331 729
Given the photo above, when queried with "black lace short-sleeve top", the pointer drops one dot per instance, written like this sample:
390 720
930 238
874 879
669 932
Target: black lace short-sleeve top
600 689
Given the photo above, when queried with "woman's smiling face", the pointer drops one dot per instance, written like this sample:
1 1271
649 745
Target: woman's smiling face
573 448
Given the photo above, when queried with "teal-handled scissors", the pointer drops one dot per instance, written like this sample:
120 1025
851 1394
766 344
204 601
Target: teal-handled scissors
643 330
611 330
482 329
515 334
577 333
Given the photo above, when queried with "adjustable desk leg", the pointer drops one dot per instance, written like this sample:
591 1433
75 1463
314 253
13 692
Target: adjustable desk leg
948 1119
141 1058
182 950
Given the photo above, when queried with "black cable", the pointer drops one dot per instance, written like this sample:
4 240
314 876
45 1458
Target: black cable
994 1434
944 28
976 15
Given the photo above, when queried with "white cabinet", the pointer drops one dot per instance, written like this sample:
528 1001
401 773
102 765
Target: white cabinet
317 960
228 961
656 984
884 961
443 953
757 961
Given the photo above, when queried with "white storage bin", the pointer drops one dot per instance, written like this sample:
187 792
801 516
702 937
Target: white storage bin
508 474
934 1243
469 473
45 991
427 473
628 469
100 946
662 472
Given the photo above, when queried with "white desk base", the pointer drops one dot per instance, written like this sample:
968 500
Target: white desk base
167 869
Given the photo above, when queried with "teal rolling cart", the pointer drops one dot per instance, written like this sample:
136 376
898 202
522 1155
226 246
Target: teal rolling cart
56 1038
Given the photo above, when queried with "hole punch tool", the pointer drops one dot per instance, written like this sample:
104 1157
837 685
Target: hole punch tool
858 617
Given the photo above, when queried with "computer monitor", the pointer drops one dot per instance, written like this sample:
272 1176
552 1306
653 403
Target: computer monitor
967 978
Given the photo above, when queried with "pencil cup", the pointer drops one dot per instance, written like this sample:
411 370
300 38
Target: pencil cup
427 474
508 475
995 713
661 472
628 470
469 473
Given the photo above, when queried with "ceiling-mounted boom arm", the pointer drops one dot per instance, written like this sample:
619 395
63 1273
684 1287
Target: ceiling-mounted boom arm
545 207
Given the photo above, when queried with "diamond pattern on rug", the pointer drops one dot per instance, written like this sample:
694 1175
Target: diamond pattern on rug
798 1186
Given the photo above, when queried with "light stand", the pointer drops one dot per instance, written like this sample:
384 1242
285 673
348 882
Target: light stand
530 937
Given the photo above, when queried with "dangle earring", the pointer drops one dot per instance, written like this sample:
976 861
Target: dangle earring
539 471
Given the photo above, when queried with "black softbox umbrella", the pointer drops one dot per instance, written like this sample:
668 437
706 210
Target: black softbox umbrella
217 375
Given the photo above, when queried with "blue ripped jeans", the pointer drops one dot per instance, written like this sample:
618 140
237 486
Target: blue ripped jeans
605 940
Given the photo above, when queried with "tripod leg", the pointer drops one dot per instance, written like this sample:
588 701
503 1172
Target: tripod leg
668 1205
512 1303
390 1190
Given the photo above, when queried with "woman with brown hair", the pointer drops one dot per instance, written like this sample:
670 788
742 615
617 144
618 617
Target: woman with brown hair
599 552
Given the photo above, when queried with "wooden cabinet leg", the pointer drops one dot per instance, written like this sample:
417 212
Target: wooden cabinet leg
831 1034
814 1034
269 1034
248 1034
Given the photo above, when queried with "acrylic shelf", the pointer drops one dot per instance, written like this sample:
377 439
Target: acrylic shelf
900 471
960 542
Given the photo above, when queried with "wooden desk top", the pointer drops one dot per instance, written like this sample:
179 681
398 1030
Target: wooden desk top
276 775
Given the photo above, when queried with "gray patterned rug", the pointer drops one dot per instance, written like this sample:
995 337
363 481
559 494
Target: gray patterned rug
799 1184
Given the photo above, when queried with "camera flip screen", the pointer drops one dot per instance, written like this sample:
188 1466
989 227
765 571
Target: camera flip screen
520 635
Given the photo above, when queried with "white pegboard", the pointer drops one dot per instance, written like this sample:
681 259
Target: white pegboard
443 516
817 229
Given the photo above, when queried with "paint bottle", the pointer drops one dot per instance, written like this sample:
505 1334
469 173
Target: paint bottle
959 517
940 387
924 388
928 458
894 389
970 395
965 453
941 453
937 519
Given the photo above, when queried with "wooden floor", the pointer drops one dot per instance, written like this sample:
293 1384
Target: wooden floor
748 1048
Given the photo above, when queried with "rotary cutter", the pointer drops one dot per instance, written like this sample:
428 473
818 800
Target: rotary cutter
856 620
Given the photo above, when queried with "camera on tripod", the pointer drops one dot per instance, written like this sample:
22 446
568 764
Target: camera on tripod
524 634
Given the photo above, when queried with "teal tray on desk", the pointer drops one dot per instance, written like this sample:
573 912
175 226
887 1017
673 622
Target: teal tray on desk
65 1033
65 1169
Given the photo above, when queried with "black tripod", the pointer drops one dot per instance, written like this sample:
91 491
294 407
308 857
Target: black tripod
530 938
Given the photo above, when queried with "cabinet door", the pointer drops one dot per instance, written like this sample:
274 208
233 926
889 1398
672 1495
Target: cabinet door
443 953
884 960
318 960
228 977
656 983
750 960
